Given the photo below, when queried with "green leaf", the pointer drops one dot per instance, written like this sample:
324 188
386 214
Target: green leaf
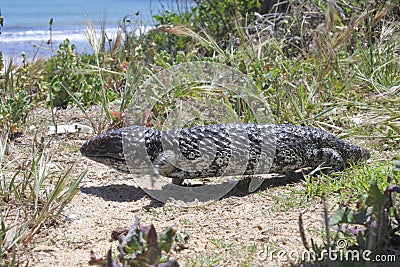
375 198
396 165
133 240
166 239
360 217
341 216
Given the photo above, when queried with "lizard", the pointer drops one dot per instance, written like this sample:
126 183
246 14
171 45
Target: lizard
221 150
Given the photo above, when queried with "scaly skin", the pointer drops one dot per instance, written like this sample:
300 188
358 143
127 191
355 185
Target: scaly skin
221 150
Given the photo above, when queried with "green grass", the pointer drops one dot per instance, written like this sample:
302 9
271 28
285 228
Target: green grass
220 243
204 260
346 187
30 199
286 198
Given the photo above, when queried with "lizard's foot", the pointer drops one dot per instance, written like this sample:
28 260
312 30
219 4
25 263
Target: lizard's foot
177 181
332 159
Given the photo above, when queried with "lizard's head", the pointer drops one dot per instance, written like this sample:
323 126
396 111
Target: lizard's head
356 154
107 149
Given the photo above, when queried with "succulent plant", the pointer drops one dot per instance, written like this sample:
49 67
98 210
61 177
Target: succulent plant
141 246
374 225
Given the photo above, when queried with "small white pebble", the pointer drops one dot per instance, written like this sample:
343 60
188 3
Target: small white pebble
71 217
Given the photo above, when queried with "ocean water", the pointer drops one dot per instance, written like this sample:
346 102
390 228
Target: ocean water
26 22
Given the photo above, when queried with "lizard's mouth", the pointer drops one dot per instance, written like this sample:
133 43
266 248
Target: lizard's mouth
114 162
103 159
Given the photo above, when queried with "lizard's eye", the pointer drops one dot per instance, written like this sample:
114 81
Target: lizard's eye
102 143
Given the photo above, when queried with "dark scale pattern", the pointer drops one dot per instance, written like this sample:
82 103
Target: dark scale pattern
153 143
199 146
215 150
255 136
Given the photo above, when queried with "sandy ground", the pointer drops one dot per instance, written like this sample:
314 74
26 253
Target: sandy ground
240 228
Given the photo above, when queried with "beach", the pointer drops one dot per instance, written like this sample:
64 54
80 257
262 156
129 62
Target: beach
26 26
